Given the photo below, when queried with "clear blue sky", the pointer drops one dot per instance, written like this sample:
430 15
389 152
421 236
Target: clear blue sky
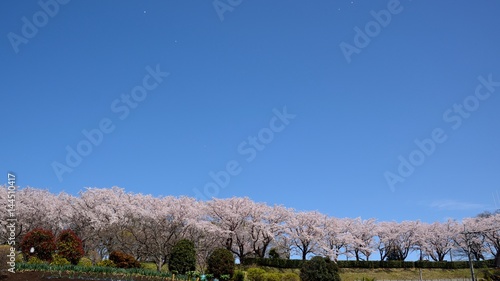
352 119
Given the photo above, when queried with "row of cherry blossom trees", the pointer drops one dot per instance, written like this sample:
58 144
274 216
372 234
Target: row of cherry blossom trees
147 227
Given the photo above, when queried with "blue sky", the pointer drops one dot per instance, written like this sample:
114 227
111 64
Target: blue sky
231 74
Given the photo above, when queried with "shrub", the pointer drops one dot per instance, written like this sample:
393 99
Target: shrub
183 257
35 260
239 275
42 241
272 276
85 262
319 269
123 260
148 265
290 276
106 263
221 262
256 274
273 254
69 246
59 260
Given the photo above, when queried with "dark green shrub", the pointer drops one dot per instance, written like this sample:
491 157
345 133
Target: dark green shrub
69 246
273 254
221 262
42 241
183 257
319 269
123 260
239 275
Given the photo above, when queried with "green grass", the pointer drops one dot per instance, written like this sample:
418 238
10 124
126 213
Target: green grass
351 274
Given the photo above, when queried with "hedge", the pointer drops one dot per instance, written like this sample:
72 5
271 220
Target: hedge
285 263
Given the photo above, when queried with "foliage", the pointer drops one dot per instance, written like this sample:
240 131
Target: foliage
106 263
69 246
319 269
278 263
256 274
123 260
290 276
248 229
239 275
272 276
491 274
183 257
42 241
59 260
282 263
221 262
273 254
148 265
85 262
35 260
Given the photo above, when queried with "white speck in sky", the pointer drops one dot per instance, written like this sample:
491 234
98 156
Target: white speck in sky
144 11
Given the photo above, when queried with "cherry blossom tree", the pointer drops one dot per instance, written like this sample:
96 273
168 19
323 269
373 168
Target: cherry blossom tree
305 230
437 239
336 237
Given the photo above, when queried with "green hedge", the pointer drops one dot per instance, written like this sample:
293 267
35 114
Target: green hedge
284 263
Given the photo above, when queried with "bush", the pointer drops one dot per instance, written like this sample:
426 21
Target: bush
183 257
278 263
85 262
272 276
319 269
221 262
69 246
123 260
42 241
149 265
59 260
273 254
290 276
35 260
106 263
239 275
256 274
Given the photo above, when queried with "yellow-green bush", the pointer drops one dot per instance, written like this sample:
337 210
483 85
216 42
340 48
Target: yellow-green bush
59 260
272 276
85 262
35 260
148 265
106 263
290 276
256 274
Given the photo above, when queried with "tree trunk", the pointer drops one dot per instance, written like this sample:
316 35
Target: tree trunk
497 259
